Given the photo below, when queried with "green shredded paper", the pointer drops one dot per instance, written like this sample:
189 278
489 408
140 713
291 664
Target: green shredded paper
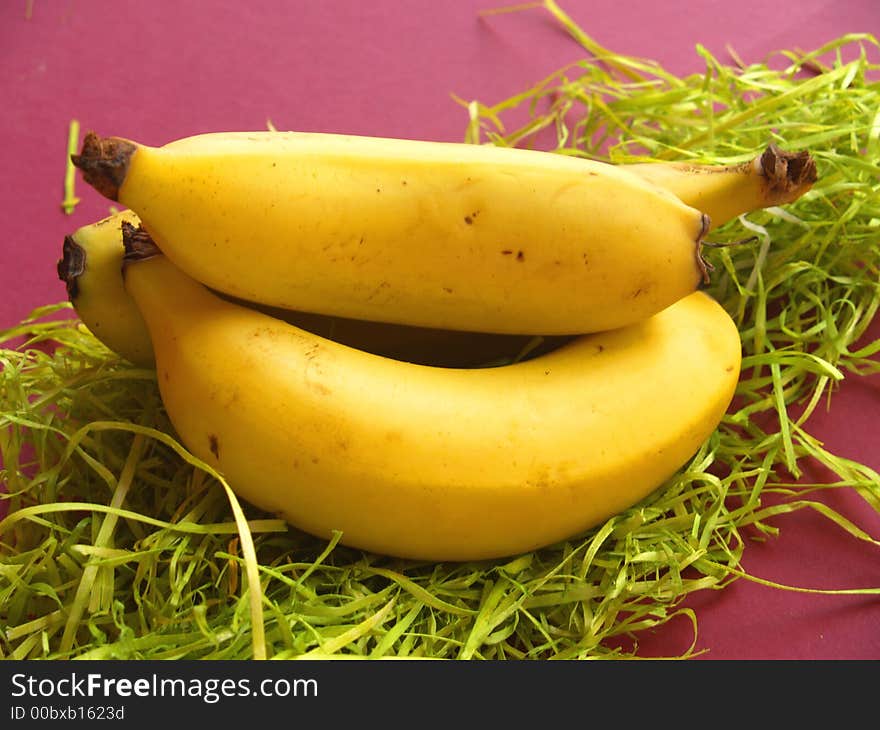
119 544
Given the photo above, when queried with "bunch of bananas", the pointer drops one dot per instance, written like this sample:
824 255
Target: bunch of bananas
323 312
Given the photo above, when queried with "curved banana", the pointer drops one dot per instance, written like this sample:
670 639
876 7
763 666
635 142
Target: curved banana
433 234
92 259
425 462
91 268
724 192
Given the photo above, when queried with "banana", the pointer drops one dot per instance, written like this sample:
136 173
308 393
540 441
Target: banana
92 260
430 234
724 192
424 462
91 268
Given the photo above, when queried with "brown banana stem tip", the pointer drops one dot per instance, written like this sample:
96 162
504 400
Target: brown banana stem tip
138 244
788 175
104 163
71 265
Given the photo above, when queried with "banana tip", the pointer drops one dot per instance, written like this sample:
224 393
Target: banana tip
788 174
138 244
104 163
71 265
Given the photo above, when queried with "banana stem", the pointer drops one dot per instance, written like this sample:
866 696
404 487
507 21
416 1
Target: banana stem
138 244
705 267
774 177
104 163
71 265
787 173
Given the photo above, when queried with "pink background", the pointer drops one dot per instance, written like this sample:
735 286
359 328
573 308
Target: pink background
158 70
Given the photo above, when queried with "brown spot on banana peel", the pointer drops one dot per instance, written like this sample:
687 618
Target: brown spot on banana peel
71 265
104 162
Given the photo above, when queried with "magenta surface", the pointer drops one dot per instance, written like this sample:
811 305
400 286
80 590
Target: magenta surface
159 70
